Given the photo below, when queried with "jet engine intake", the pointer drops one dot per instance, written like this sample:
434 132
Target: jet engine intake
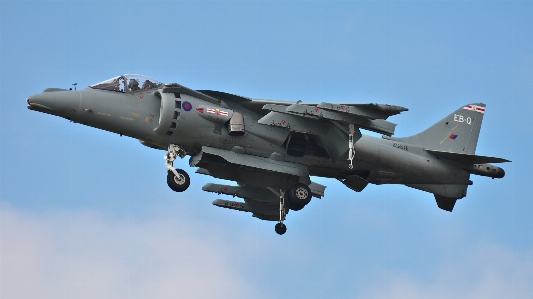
169 113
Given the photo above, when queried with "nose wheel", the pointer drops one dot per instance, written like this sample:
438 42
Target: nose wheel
177 179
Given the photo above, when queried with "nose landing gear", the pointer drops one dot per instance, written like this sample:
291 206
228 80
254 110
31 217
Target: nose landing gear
177 179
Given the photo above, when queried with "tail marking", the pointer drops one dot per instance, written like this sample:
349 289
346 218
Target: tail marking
476 108
450 134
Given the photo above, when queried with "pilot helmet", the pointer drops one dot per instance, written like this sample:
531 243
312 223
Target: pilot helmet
134 84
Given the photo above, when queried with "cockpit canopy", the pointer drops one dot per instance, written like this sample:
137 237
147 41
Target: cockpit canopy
128 83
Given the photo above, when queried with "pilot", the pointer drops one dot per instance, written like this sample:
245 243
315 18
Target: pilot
147 84
134 85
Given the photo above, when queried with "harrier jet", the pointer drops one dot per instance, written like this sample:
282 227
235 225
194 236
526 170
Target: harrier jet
272 148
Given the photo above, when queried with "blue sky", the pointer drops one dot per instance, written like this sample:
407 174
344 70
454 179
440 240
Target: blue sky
86 213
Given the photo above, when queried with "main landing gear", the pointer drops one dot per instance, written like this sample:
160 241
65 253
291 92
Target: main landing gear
295 199
280 227
177 179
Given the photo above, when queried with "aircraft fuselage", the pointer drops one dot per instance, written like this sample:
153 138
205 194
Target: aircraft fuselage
137 115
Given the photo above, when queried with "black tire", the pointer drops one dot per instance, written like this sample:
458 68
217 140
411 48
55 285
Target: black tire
289 204
299 195
280 228
296 207
178 184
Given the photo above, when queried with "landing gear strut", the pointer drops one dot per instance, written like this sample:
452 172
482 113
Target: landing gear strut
351 153
177 179
280 227
297 197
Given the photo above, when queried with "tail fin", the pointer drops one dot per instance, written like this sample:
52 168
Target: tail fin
457 132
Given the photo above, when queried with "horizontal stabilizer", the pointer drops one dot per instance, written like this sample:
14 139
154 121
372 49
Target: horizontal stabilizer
466 158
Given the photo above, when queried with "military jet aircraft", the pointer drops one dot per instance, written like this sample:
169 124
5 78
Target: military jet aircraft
271 148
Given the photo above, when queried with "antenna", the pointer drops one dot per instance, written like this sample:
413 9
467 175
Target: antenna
75 85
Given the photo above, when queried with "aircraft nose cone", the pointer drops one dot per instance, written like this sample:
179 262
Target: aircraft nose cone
501 173
39 102
60 103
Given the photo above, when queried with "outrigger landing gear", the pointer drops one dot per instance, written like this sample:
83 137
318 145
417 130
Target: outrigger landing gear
280 226
177 179
351 153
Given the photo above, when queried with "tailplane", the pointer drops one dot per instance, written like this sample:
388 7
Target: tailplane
458 132
454 138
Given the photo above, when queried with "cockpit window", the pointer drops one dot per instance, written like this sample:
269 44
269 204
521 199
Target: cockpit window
128 83
115 84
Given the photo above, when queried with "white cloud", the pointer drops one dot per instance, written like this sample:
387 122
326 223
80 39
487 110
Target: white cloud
93 255
84 255
488 271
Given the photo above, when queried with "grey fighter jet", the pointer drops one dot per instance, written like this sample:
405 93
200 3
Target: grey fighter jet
271 148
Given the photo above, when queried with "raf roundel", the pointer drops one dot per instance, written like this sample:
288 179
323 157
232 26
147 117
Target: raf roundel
186 106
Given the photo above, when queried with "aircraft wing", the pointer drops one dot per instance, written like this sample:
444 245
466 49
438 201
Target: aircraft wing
330 123
255 105
368 110
315 119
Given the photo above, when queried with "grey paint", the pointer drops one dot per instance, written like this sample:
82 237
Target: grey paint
438 160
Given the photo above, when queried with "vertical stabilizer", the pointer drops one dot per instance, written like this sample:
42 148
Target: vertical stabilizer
458 132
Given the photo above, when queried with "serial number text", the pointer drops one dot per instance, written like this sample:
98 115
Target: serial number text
461 119
400 146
